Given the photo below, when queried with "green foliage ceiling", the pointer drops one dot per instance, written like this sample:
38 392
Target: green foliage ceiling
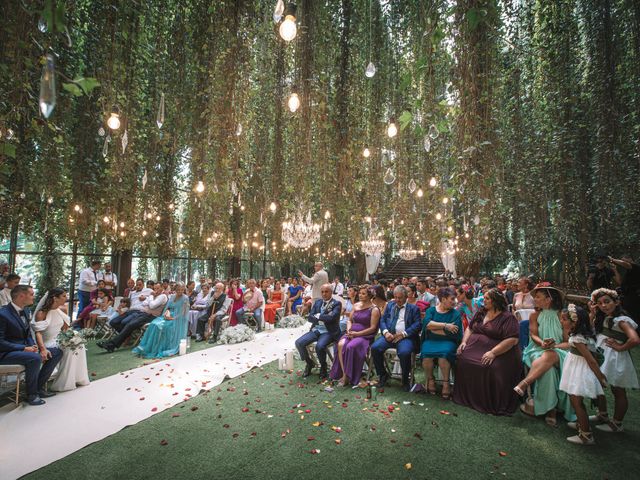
535 107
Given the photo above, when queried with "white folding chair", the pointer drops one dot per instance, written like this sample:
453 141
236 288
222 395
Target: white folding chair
311 349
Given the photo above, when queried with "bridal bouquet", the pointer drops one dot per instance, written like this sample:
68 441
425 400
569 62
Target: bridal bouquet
238 334
71 340
292 321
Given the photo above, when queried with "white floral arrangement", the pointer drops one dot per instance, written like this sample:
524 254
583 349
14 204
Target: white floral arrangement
292 321
88 333
238 334
71 340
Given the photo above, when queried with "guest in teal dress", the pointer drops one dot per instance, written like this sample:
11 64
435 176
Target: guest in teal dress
442 332
163 335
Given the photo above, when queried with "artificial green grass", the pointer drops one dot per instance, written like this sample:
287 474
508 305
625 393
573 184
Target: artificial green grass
251 427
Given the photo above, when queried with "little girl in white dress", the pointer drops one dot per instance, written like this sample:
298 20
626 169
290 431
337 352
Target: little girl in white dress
616 336
581 377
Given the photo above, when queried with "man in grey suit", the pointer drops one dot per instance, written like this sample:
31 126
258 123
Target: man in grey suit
319 278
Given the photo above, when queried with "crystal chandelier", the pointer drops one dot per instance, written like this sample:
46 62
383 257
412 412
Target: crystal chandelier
300 231
373 244
408 253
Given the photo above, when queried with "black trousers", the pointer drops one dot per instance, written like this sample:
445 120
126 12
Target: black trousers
133 323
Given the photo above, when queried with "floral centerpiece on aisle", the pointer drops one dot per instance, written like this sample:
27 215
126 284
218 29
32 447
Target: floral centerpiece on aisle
238 334
71 339
291 321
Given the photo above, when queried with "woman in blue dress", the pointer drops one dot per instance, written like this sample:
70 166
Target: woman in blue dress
295 297
442 333
163 335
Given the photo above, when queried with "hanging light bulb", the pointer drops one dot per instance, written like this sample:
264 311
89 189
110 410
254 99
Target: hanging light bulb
160 116
121 224
50 200
445 200
105 219
293 102
278 11
433 182
76 208
370 71
366 153
144 233
158 218
273 207
392 129
47 99
200 187
114 119
288 28
419 193
438 216
389 177
466 235
327 215
412 186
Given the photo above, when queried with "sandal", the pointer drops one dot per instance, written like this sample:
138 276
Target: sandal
612 426
446 394
431 386
583 438
519 390
527 410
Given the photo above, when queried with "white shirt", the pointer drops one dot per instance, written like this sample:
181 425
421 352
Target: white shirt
5 296
110 277
89 279
400 323
134 295
307 291
338 289
153 304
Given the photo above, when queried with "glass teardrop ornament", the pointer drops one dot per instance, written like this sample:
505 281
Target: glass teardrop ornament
433 132
42 25
160 116
101 132
105 147
389 177
144 180
427 143
239 130
370 71
412 186
476 220
125 140
278 11
47 98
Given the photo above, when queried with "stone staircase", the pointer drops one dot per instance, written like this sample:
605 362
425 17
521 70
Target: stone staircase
420 266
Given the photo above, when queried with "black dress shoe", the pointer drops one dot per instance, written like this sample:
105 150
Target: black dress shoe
35 400
382 381
44 394
307 370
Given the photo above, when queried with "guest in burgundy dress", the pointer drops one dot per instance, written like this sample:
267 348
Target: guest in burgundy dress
489 359
351 350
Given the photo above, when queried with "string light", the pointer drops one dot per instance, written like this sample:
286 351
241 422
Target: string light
76 208
392 129
114 119
105 219
273 207
200 186
445 200
288 28
419 193
366 153
438 216
433 182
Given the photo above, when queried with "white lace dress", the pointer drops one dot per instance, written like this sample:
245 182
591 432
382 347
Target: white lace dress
577 378
617 366
72 369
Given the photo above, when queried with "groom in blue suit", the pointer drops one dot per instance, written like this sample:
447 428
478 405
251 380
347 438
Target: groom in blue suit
17 347
400 326
325 329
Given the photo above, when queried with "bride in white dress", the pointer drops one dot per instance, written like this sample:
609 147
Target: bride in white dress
48 321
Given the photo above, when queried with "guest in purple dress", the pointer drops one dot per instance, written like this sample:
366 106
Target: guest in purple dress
489 360
352 348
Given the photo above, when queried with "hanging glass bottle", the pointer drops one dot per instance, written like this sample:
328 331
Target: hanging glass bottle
427 143
125 140
48 87
370 71
278 11
160 116
389 177
105 147
412 186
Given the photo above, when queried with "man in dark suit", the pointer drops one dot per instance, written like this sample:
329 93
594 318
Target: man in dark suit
400 326
325 329
17 347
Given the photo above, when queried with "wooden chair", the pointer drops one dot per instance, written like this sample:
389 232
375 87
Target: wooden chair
7 371
311 349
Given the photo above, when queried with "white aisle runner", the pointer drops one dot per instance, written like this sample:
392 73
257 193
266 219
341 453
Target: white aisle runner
88 414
